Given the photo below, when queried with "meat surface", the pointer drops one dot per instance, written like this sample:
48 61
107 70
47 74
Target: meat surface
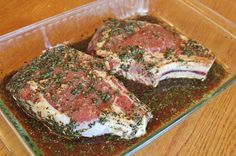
147 52
69 92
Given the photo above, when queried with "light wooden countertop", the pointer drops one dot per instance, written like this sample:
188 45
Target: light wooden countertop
209 131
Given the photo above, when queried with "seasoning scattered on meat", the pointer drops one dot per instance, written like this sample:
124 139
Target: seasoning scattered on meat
147 52
69 92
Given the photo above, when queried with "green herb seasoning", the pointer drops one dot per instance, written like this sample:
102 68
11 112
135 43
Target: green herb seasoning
45 75
124 57
130 53
77 90
125 67
169 54
118 27
102 120
105 97
115 32
90 90
180 60
191 48
110 137
57 79
150 66
129 29
96 101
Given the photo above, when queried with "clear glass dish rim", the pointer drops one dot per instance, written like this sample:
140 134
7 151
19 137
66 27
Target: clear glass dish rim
195 5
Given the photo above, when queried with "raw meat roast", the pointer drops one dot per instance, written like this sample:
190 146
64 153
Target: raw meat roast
147 52
69 92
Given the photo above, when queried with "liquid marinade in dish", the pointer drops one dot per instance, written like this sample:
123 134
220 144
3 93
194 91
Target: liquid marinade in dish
164 101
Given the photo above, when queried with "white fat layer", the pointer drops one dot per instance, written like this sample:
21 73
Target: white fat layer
100 52
125 128
103 53
191 66
33 85
186 67
116 108
44 110
100 44
47 111
183 74
114 125
117 125
96 130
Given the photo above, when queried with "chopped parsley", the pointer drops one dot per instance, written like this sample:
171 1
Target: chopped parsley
57 79
125 67
90 90
96 101
125 57
129 29
191 47
77 90
45 75
105 97
188 51
169 54
115 31
140 59
149 66
109 137
180 60
102 120
131 52
118 27
32 68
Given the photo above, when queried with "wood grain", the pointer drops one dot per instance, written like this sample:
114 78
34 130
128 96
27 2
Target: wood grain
3 150
15 14
209 131
226 8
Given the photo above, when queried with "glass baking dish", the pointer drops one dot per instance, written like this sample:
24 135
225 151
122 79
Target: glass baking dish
189 17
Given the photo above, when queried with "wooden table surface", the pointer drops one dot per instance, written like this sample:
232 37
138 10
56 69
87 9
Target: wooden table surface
209 131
